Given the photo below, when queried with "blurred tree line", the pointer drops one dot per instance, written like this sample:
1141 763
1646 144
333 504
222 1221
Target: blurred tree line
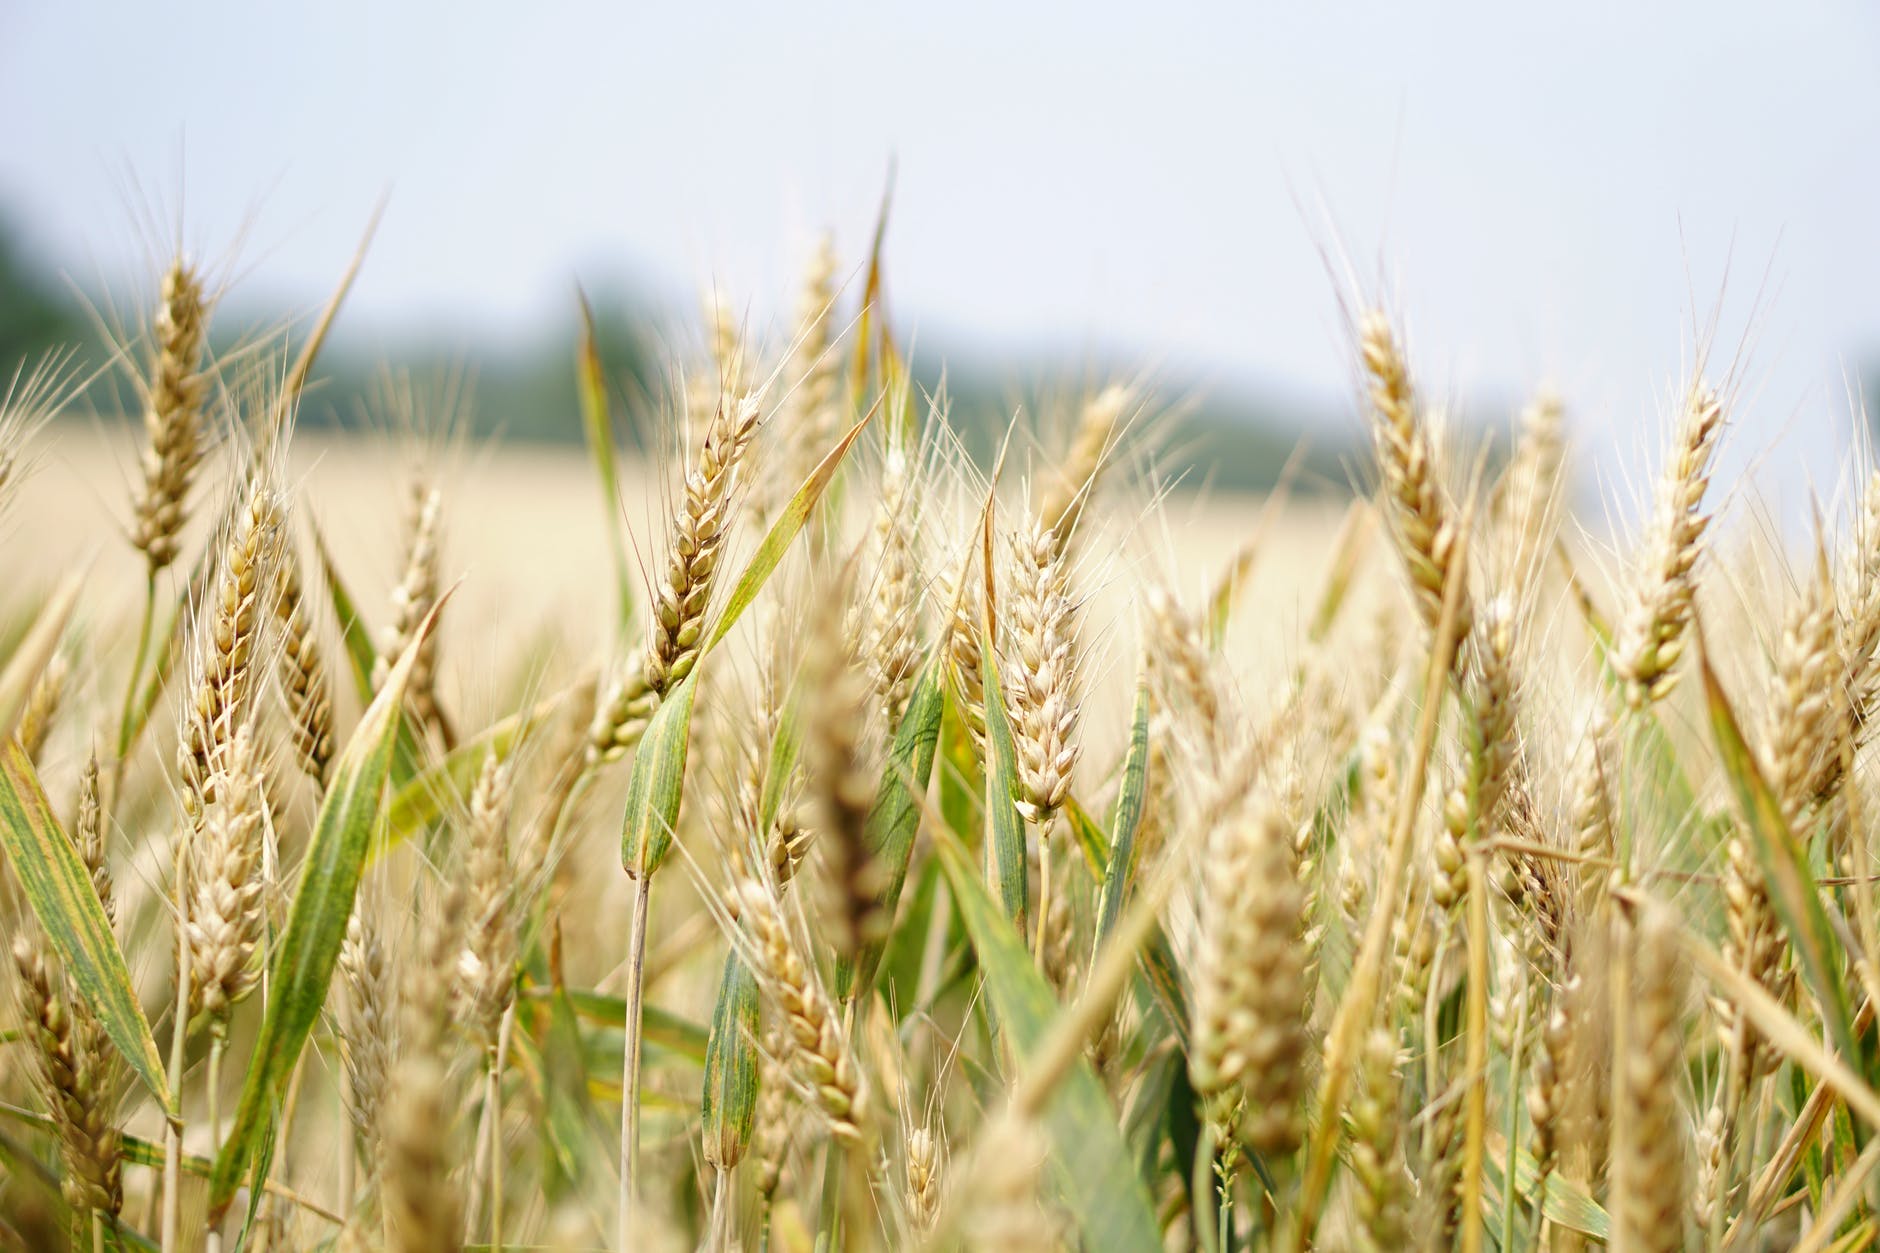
1226 440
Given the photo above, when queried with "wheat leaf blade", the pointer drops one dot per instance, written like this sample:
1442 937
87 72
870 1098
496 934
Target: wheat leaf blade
303 965
728 1107
58 888
894 818
1792 887
597 423
445 785
783 533
1092 1162
35 652
656 784
1120 872
1005 827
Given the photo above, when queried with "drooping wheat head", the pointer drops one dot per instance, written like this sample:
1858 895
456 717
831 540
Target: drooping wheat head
1529 502
1381 1181
78 1073
370 1034
891 598
924 1170
422 1204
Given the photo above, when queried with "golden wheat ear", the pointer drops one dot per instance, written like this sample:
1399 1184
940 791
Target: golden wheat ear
1652 636
174 394
1421 513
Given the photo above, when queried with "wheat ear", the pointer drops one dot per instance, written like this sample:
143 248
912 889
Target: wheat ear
818 1050
1422 517
1648 1133
1651 637
1041 676
1248 995
173 401
76 1071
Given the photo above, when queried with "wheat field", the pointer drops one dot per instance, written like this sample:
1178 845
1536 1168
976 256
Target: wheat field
809 838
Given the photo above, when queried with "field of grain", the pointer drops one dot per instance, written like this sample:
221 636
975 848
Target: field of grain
805 840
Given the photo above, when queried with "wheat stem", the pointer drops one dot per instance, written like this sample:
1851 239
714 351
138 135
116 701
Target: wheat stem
179 1033
630 1062
212 1083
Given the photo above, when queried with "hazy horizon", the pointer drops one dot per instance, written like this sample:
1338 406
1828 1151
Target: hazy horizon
1540 195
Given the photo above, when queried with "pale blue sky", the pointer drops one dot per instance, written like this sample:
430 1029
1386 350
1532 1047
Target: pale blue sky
1548 192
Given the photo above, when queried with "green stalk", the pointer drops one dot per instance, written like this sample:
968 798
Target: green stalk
179 1039
721 1211
630 1062
830 1237
493 1101
1044 891
218 1039
1224 1207
1514 1124
1475 1103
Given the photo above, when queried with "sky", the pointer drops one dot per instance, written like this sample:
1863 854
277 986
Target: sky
1570 192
